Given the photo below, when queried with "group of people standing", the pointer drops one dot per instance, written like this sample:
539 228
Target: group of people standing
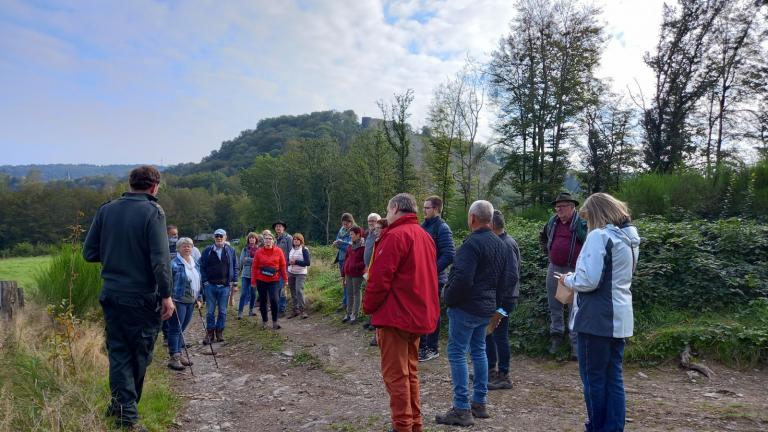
593 253
403 266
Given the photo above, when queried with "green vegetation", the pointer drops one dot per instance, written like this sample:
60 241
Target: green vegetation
23 270
306 358
54 281
50 383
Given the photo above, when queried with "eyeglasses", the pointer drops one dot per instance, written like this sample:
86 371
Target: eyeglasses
219 236
428 208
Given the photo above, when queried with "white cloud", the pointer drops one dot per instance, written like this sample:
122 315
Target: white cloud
150 81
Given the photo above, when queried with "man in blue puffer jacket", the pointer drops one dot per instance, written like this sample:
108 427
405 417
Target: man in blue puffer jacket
443 237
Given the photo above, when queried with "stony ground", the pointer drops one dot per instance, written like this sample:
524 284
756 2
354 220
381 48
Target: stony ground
318 374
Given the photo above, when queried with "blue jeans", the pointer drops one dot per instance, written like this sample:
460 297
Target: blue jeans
497 347
466 332
283 300
432 340
247 295
216 296
176 326
600 367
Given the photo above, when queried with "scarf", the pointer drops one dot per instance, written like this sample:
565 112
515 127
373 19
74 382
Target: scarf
193 275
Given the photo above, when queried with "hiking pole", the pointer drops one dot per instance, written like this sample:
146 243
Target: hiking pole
184 343
210 344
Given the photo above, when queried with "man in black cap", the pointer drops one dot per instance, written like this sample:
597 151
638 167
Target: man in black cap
129 239
284 242
562 238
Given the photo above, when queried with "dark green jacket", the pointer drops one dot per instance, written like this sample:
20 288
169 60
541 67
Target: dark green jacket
128 237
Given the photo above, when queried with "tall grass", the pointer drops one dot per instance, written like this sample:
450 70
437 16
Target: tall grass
68 265
40 390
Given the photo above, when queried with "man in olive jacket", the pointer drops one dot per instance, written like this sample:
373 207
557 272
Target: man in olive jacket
128 236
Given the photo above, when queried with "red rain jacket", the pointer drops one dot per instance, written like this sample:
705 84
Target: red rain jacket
402 280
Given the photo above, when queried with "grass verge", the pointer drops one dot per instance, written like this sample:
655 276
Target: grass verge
51 383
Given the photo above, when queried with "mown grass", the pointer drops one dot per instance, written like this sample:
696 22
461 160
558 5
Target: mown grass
51 383
23 270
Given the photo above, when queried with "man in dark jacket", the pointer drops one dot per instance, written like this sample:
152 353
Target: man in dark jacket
479 286
562 238
403 305
128 237
443 238
497 343
284 241
218 276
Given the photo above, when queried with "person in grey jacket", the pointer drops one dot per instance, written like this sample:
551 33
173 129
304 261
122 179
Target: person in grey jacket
602 308
129 239
370 237
284 242
247 292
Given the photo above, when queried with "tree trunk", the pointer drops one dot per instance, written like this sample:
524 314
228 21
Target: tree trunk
11 299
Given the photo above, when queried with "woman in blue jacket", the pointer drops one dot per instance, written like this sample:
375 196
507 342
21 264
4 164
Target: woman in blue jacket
185 293
603 308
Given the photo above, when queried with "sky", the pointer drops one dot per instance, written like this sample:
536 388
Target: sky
165 82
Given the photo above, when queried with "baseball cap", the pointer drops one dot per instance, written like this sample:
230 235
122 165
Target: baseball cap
220 232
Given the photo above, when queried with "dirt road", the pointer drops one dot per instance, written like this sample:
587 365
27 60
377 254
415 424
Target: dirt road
318 374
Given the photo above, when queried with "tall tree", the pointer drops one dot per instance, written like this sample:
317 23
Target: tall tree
539 78
397 132
683 77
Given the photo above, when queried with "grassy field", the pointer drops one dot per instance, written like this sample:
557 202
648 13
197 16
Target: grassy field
22 270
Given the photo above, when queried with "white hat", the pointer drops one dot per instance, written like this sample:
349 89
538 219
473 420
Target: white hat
220 231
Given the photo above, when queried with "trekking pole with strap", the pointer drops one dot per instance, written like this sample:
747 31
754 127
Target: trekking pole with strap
184 343
213 353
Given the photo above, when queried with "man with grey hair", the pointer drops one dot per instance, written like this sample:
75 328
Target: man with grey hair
401 299
370 237
479 287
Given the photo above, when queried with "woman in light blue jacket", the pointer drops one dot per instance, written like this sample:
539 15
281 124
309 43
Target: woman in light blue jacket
603 307
185 293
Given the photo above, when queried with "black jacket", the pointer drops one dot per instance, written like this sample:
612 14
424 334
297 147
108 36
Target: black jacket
483 275
129 238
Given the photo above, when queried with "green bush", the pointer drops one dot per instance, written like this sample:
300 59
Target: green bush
53 281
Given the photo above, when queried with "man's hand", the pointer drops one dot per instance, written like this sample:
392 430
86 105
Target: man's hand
199 304
168 307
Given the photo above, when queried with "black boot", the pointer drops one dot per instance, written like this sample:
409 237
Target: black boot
478 410
556 341
210 337
500 382
456 417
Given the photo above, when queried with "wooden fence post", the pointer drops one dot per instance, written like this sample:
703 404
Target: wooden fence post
11 299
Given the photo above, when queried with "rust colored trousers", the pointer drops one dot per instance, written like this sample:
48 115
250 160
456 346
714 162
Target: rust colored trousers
399 369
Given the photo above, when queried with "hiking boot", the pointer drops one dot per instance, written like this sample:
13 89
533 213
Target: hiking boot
219 335
556 341
374 342
456 417
500 382
478 410
293 314
304 315
175 363
276 326
346 319
428 354
251 313
185 360
210 337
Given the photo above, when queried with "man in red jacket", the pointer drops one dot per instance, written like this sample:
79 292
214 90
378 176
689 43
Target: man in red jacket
403 304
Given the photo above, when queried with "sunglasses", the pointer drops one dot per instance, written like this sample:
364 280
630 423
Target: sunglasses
219 236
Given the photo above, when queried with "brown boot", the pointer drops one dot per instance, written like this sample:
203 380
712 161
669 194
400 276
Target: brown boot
185 361
210 337
219 335
175 363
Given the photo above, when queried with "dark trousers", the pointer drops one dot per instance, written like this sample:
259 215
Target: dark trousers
497 347
432 340
132 323
600 367
268 291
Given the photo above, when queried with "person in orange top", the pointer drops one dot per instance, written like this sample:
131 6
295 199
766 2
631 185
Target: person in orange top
267 268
